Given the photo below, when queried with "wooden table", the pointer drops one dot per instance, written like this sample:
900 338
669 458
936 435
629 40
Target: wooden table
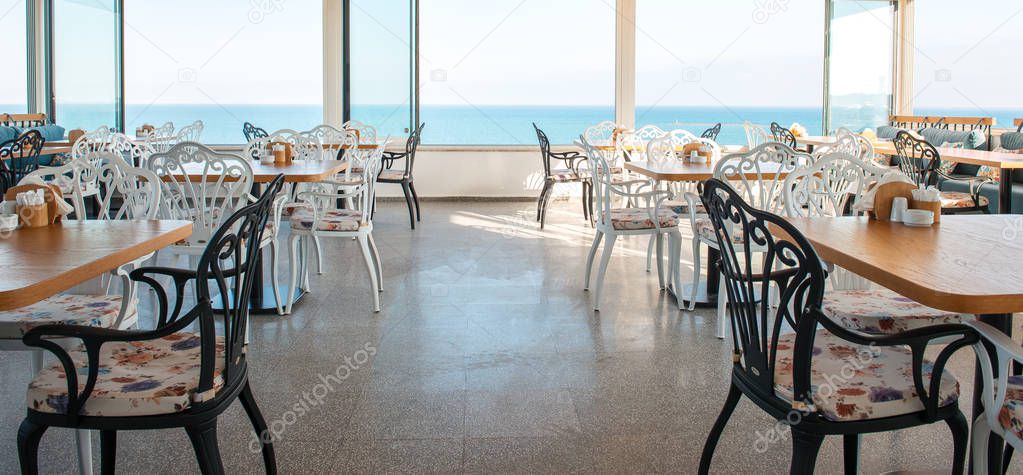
1006 162
965 264
42 262
298 171
684 171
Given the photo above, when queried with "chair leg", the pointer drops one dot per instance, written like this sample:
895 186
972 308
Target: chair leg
805 447
408 201
293 258
605 257
546 203
696 274
851 453
734 394
259 425
37 362
539 201
960 441
83 440
722 302
371 269
108 451
589 258
675 267
319 255
305 260
650 252
586 204
29 435
981 436
376 260
204 442
415 199
274 278
659 242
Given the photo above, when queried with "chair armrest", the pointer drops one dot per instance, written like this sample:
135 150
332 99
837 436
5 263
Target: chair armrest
179 277
1005 351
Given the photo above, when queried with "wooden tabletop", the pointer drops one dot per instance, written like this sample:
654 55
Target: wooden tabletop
298 171
685 171
959 155
967 263
42 262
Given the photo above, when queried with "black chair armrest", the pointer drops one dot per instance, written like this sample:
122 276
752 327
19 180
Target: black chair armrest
179 277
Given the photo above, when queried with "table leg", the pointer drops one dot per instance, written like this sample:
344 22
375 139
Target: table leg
1005 192
1002 322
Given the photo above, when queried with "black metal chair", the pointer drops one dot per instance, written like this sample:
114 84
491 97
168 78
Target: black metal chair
19 157
403 175
920 160
164 378
783 135
712 133
552 176
802 378
252 132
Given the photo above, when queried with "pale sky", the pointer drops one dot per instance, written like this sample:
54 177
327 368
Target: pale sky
557 52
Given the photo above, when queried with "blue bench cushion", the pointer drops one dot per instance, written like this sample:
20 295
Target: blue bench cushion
1012 141
52 132
8 133
887 132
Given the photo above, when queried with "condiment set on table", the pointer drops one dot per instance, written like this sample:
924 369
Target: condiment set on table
31 206
897 200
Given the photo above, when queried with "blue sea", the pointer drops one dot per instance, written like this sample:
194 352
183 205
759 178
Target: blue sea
478 125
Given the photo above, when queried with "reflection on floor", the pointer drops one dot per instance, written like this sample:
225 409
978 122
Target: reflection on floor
485 358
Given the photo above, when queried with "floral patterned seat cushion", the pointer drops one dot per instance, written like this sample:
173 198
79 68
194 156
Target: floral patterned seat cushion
705 229
139 378
882 312
343 220
682 207
563 174
1010 416
959 199
392 175
86 310
850 382
632 219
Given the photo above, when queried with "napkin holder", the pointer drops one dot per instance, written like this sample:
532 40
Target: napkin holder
884 195
281 157
40 215
687 151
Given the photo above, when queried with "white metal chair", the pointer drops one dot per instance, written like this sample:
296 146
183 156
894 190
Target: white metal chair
365 134
139 191
205 187
605 133
189 133
845 142
758 176
161 138
755 135
319 216
649 217
1001 394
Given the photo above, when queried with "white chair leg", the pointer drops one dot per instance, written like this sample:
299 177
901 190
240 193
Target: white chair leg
37 362
696 274
274 278
658 240
293 258
319 255
371 269
650 253
83 439
589 258
605 257
305 261
722 300
376 259
675 267
981 433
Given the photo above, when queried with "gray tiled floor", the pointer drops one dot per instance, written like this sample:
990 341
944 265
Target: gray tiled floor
487 359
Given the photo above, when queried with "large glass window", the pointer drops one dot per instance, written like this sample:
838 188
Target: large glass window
381 64
861 60
700 63
488 73
225 63
13 89
964 61
85 63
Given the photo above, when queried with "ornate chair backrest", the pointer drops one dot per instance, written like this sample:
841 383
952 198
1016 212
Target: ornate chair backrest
759 174
602 133
411 146
829 186
845 142
161 138
201 186
917 158
633 144
712 133
755 134
111 179
73 178
600 160
783 135
252 132
367 134
324 196
545 150
774 254
329 135
92 141
190 133
229 264
19 157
